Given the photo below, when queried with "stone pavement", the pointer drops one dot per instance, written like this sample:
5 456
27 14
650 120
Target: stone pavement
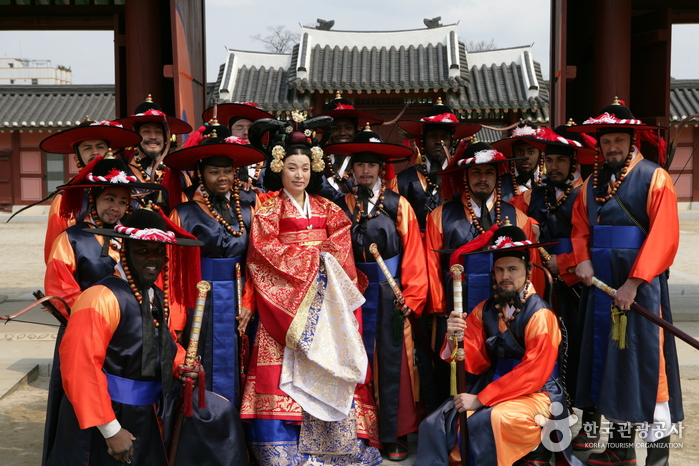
27 348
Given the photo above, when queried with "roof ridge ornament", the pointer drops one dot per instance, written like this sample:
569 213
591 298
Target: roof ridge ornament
324 25
433 23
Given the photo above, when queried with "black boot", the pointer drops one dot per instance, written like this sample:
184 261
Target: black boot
658 452
589 434
539 457
620 447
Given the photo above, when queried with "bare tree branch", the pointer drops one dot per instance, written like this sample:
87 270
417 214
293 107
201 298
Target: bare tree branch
279 39
481 46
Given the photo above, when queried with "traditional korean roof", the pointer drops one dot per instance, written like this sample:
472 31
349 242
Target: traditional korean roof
503 80
420 60
262 78
684 99
478 85
54 106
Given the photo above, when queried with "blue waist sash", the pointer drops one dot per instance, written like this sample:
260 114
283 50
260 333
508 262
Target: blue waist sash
374 273
220 349
370 309
133 392
218 269
564 247
613 237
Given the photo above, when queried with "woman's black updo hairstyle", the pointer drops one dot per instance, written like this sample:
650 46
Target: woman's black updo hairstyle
295 137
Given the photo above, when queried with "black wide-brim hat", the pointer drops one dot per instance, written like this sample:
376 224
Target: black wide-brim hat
461 130
150 112
478 153
226 112
509 238
144 225
616 115
561 137
523 133
361 116
175 125
343 108
440 114
116 137
106 172
369 141
187 158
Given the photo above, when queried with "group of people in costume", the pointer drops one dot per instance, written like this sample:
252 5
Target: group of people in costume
332 312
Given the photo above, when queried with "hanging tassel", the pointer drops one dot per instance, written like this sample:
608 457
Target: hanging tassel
187 392
476 244
452 378
615 324
72 200
195 138
622 331
619 322
172 180
652 137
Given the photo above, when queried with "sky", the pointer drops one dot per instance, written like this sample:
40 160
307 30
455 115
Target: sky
231 23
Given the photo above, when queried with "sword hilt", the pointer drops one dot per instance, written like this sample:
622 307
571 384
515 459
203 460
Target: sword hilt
457 273
204 287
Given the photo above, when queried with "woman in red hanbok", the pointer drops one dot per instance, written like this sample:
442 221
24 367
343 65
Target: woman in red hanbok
305 397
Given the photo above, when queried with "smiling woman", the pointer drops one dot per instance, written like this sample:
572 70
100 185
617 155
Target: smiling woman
300 262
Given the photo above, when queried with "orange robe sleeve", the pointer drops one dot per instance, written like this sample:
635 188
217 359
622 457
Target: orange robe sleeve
660 246
413 277
61 268
93 321
522 201
434 241
59 279
393 184
541 339
538 278
55 225
580 235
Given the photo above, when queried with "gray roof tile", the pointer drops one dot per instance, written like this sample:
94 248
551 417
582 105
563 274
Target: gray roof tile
54 106
684 99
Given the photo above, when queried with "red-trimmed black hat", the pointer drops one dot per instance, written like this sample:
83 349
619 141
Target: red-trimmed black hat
233 148
343 108
235 110
562 141
522 133
614 116
150 112
369 141
145 225
114 134
505 241
477 153
107 170
440 114
103 171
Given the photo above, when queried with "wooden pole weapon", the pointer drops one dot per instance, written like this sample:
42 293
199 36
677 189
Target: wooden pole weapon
457 272
657 320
